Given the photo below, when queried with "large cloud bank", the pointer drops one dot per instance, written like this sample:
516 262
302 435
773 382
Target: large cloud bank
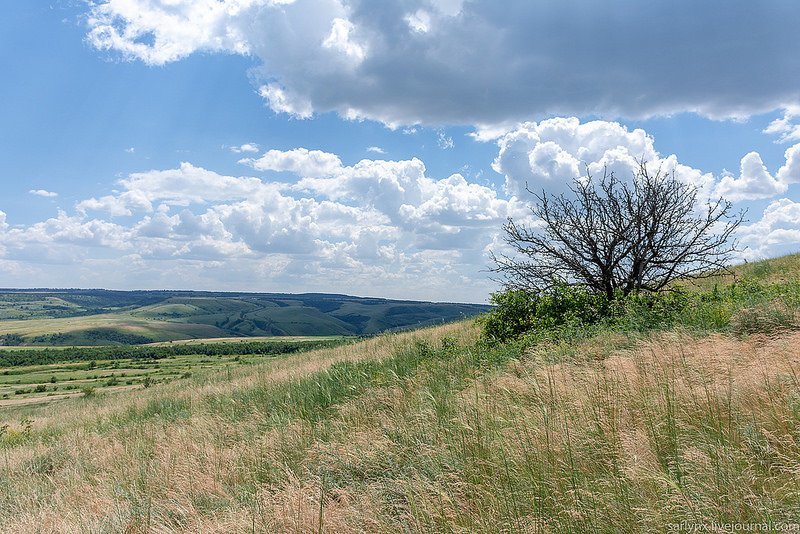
378 227
482 62
306 220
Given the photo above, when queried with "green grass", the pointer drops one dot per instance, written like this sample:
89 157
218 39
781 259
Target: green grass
27 384
773 270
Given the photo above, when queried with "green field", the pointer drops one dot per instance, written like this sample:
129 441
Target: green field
95 317
85 371
44 383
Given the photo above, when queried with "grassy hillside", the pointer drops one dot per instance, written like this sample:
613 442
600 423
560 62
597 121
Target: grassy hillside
644 427
772 271
95 317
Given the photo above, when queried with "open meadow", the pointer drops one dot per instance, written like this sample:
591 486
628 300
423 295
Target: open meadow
615 428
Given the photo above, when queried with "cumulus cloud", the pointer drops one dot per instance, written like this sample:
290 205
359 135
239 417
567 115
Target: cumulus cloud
376 150
182 186
247 147
377 226
550 154
482 62
400 190
777 233
373 227
65 229
163 31
300 161
43 193
755 181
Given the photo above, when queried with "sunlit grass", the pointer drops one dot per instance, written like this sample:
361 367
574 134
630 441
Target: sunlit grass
427 431
774 270
637 425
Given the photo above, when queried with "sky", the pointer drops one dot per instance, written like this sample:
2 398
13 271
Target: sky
369 148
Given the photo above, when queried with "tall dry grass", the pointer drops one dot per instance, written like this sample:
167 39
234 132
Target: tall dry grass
429 432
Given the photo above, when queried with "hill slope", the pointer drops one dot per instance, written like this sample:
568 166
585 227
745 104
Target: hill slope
636 428
426 431
95 317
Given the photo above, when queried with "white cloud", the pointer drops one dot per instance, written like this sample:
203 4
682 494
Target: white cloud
182 186
67 229
377 227
376 150
300 161
481 62
400 190
158 32
130 150
247 147
43 193
789 173
787 127
550 154
777 233
444 141
282 102
340 38
381 227
755 182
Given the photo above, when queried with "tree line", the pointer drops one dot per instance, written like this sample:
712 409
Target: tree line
13 358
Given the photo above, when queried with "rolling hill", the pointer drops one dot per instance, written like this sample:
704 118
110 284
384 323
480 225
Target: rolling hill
101 317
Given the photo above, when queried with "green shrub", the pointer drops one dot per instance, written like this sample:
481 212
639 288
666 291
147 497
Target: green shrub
513 316
744 307
519 312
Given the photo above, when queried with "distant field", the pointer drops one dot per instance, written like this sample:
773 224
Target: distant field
95 329
45 383
96 317
244 340
96 369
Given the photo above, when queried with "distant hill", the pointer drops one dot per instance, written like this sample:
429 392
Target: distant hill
101 317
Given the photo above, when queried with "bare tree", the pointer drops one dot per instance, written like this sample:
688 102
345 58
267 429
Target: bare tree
614 237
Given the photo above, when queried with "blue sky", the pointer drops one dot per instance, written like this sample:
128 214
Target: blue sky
370 148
